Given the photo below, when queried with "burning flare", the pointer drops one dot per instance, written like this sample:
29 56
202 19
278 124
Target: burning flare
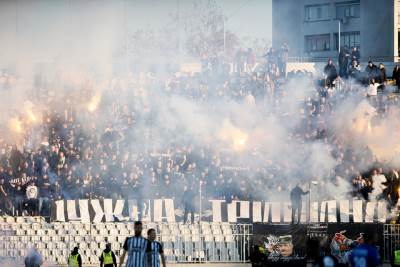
94 102
31 116
240 140
362 116
15 125
234 136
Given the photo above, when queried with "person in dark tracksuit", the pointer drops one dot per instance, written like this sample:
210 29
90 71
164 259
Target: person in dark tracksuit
188 200
295 198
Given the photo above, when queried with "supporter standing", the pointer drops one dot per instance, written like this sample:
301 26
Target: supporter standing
371 71
355 54
378 183
283 59
4 200
359 184
343 62
393 185
372 93
354 70
295 198
330 73
32 199
188 199
250 60
382 78
240 60
382 73
44 199
19 195
396 76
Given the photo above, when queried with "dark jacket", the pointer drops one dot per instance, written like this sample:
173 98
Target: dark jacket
355 55
382 76
343 58
296 193
354 72
330 72
372 72
188 198
396 76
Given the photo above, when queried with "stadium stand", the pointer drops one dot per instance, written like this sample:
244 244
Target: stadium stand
207 242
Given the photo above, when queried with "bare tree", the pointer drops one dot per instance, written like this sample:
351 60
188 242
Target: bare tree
199 28
203 29
146 48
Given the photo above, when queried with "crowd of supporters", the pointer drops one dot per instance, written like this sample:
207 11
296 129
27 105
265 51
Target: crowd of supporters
74 151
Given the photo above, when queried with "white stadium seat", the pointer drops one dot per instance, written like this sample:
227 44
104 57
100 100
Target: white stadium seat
182 242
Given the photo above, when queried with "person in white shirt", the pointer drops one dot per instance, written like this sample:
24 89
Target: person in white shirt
32 199
378 184
372 88
249 99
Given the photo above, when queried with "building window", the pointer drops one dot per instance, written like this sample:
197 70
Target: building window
315 43
398 12
316 12
348 10
347 39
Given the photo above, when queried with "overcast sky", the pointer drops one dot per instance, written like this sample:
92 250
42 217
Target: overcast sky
245 17
46 28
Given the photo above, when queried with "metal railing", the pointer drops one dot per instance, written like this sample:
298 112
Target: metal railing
231 245
312 59
391 240
183 243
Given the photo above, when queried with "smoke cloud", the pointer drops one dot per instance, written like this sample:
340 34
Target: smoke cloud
269 139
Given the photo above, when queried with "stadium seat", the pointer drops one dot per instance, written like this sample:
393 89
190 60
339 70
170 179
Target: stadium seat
10 219
182 242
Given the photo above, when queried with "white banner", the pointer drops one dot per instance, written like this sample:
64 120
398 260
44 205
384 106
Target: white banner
164 210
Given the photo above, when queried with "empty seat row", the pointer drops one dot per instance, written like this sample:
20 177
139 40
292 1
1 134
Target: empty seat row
182 242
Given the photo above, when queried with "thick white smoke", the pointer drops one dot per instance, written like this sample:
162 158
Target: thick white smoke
257 137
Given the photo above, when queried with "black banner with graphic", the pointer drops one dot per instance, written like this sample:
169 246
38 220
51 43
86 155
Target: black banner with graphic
294 244
343 237
279 245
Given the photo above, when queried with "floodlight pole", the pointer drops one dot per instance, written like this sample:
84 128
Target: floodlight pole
224 34
200 206
309 202
339 35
